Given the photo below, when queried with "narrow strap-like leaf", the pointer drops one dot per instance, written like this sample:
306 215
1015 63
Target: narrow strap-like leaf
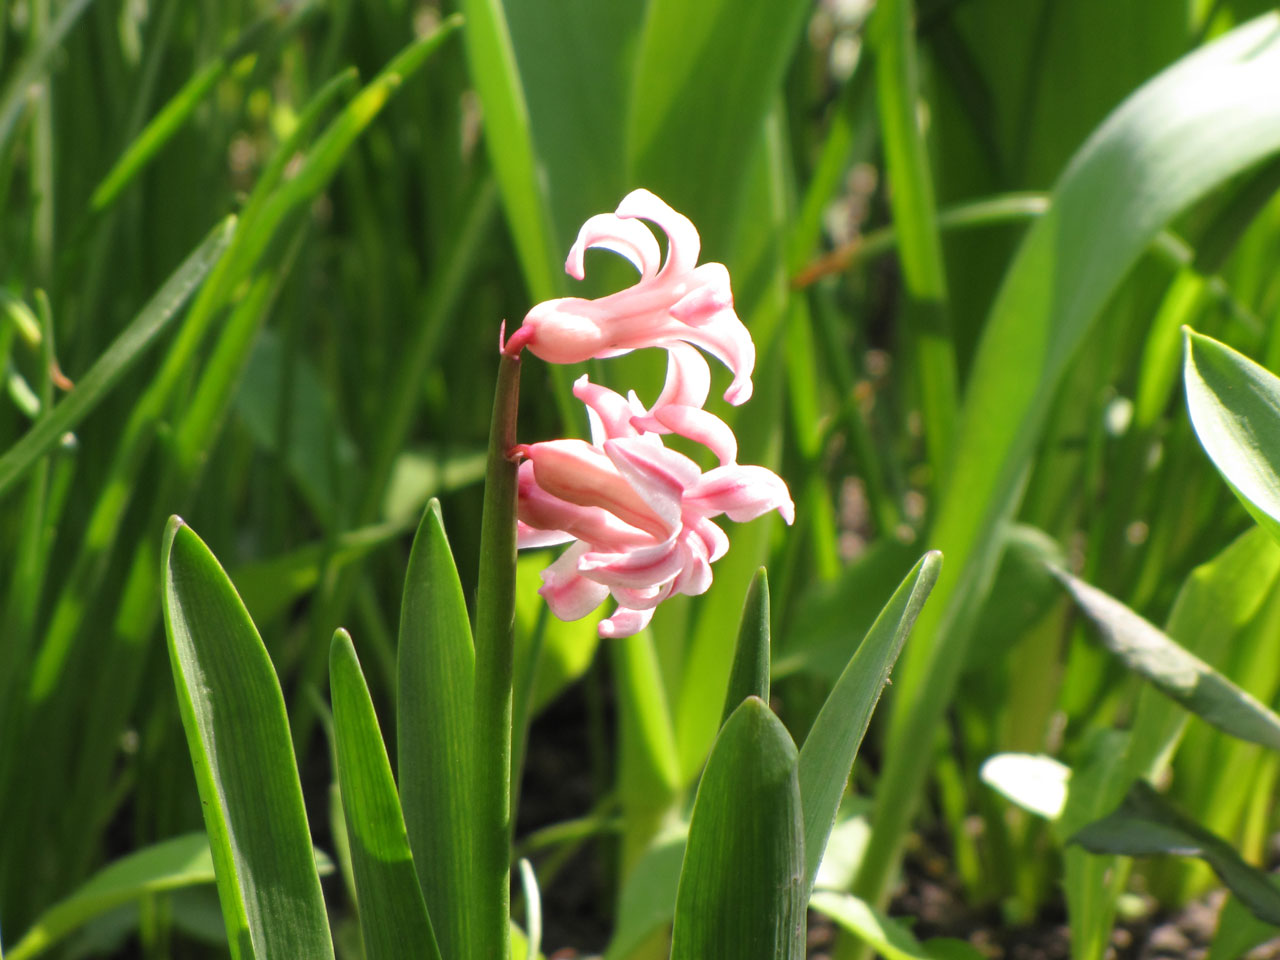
436 672
832 744
393 915
1147 651
750 674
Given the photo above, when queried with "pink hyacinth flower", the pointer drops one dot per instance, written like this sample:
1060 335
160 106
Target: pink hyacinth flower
639 514
677 302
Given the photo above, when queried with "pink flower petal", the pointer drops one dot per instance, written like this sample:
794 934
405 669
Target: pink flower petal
657 475
613 413
637 568
540 510
625 622
622 236
683 243
743 493
694 578
570 595
528 538
576 472
701 426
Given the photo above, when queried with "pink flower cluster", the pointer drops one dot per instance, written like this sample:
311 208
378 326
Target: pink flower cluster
637 513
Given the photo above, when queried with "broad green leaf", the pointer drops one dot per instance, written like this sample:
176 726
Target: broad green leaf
832 744
742 885
886 936
393 915
1038 784
686 140
169 865
1235 409
238 735
750 674
436 672
1186 678
1202 121
116 360
1147 825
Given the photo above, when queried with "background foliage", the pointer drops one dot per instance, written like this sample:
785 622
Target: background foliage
298 383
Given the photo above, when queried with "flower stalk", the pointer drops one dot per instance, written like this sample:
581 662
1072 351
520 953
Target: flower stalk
491 743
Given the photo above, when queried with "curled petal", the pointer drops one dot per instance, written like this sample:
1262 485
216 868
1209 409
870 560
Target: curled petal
716 540
743 493
698 425
710 294
694 578
570 595
688 380
637 569
528 538
656 474
644 598
625 237
610 412
683 243
625 622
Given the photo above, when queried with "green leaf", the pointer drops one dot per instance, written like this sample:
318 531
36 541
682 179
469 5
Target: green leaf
238 735
1239 931
1147 825
1202 121
893 40
509 139
116 360
648 898
436 671
182 861
393 914
1186 678
887 937
832 744
750 674
1235 409
742 886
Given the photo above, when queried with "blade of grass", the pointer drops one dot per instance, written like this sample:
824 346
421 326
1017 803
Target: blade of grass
919 247
116 361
